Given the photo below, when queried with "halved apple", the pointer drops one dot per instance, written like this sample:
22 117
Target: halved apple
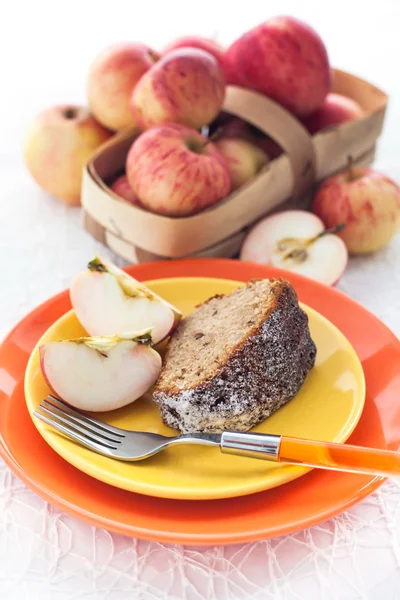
101 373
296 240
107 301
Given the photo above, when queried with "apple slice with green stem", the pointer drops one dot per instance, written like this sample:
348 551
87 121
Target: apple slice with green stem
107 301
101 373
296 240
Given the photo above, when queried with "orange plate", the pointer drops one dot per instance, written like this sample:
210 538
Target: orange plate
283 510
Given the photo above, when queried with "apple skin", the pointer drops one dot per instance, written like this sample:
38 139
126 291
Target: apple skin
186 86
336 109
366 201
177 172
122 188
284 59
112 78
266 143
192 41
244 159
57 146
229 126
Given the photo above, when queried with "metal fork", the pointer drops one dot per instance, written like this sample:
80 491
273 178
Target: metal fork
106 439
125 445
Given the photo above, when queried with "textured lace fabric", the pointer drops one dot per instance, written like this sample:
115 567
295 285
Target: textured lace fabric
48 555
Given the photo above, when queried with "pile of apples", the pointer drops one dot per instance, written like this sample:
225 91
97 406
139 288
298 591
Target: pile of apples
190 154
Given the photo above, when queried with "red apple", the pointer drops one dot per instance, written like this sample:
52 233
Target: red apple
112 79
268 145
336 109
186 86
295 240
244 159
366 201
122 188
175 171
228 126
58 144
198 42
284 59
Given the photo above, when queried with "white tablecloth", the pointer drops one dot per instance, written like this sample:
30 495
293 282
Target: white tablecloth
48 555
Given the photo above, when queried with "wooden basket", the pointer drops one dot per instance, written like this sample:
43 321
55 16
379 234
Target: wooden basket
139 236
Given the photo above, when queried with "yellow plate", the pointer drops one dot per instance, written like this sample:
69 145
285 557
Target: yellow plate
327 407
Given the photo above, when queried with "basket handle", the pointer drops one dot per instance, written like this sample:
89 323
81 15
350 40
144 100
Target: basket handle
276 122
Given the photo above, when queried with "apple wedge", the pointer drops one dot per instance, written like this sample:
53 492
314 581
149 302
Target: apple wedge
107 301
101 373
296 240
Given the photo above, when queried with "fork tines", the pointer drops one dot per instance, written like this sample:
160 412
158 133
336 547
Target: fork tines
88 431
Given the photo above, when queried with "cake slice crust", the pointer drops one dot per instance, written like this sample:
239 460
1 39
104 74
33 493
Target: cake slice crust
236 359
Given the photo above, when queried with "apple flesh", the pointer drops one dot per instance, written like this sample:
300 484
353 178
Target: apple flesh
336 109
122 188
185 86
284 59
283 240
57 145
175 171
244 159
112 79
107 301
366 201
101 373
198 42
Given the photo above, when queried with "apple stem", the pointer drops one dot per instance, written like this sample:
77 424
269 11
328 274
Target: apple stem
298 253
153 56
70 112
205 144
335 229
212 137
96 265
216 134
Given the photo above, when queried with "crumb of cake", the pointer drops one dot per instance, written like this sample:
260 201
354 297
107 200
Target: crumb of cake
253 355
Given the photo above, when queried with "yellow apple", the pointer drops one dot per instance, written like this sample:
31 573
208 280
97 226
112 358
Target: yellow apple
112 79
244 159
58 144
366 202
